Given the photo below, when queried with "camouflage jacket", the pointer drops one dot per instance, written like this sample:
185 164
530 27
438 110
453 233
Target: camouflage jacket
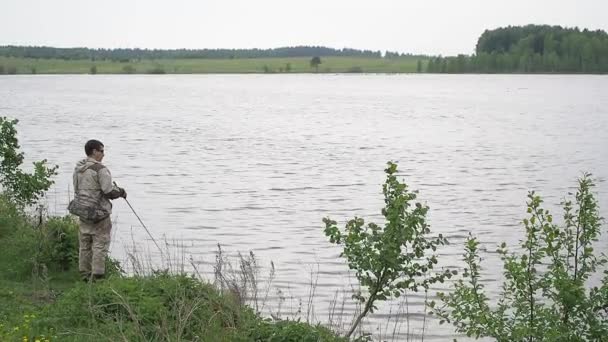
93 184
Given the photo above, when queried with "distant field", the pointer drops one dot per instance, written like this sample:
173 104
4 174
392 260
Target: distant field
9 65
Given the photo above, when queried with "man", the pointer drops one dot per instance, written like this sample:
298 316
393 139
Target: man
93 190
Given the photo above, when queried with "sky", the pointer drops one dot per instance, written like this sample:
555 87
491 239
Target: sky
445 27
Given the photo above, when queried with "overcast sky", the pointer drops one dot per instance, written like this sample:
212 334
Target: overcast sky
445 27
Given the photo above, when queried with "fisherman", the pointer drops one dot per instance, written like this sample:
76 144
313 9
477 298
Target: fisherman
93 190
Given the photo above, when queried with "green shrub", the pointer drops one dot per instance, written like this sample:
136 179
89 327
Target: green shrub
355 69
59 240
544 296
128 69
31 250
393 259
18 241
21 187
10 216
52 246
288 331
59 246
157 70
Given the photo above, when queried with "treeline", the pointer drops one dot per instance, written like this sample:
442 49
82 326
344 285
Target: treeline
531 49
139 54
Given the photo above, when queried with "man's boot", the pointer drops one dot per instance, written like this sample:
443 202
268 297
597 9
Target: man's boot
85 276
98 277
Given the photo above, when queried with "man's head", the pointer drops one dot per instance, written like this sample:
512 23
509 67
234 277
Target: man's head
94 149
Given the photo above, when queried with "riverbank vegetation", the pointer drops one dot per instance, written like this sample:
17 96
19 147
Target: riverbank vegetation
547 292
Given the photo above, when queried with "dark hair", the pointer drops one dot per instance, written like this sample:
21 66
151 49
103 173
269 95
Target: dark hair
92 145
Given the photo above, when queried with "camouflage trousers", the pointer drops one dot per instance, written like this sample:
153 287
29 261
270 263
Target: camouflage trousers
94 241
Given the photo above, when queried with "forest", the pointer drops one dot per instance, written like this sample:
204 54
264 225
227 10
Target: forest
531 49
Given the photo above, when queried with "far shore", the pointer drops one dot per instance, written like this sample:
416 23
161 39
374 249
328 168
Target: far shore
11 65
290 65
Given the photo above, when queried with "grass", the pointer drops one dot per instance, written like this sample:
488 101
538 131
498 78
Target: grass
10 65
43 298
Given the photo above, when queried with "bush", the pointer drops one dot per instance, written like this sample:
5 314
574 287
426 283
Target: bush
30 250
18 241
59 242
157 70
128 69
59 246
21 187
10 216
393 259
279 331
545 295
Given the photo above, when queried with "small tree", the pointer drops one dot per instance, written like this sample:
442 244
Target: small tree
93 70
419 66
314 63
393 259
544 296
21 187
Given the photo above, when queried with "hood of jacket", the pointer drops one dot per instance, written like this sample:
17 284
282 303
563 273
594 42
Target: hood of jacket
84 164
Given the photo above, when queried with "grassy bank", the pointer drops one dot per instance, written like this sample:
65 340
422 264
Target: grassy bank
43 298
10 65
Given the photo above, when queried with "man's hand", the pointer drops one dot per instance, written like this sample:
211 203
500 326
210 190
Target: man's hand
123 193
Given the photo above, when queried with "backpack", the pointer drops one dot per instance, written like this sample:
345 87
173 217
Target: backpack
91 212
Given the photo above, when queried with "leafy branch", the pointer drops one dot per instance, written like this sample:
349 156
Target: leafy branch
21 187
544 294
393 259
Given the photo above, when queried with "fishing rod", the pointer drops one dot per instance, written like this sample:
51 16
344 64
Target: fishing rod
142 224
